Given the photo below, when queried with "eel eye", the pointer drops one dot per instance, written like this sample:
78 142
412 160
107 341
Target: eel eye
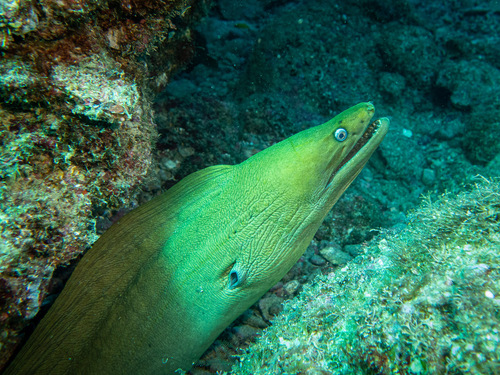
340 134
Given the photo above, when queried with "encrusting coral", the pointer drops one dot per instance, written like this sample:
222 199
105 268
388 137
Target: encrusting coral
76 129
425 300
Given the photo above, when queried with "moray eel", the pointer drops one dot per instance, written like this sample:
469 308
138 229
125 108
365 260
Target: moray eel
162 283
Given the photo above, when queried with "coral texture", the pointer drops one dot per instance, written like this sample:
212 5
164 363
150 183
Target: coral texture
77 130
425 300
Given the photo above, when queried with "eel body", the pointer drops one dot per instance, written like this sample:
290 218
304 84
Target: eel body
162 283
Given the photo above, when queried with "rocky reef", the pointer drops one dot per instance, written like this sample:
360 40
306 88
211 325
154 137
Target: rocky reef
76 83
423 300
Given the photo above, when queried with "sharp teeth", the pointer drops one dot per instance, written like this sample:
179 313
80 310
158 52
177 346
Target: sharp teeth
371 130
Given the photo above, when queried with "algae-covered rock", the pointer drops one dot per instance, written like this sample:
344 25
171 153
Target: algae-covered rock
76 130
425 300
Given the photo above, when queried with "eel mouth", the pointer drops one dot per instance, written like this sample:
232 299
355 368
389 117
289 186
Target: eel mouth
370 133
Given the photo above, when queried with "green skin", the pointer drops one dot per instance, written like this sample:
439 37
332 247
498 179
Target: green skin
161 284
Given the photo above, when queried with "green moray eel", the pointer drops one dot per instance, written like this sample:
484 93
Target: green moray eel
162 283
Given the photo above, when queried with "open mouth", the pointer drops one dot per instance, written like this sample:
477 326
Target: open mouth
367 135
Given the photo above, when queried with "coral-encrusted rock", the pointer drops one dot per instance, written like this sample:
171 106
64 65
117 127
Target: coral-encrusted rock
428 292
77 131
